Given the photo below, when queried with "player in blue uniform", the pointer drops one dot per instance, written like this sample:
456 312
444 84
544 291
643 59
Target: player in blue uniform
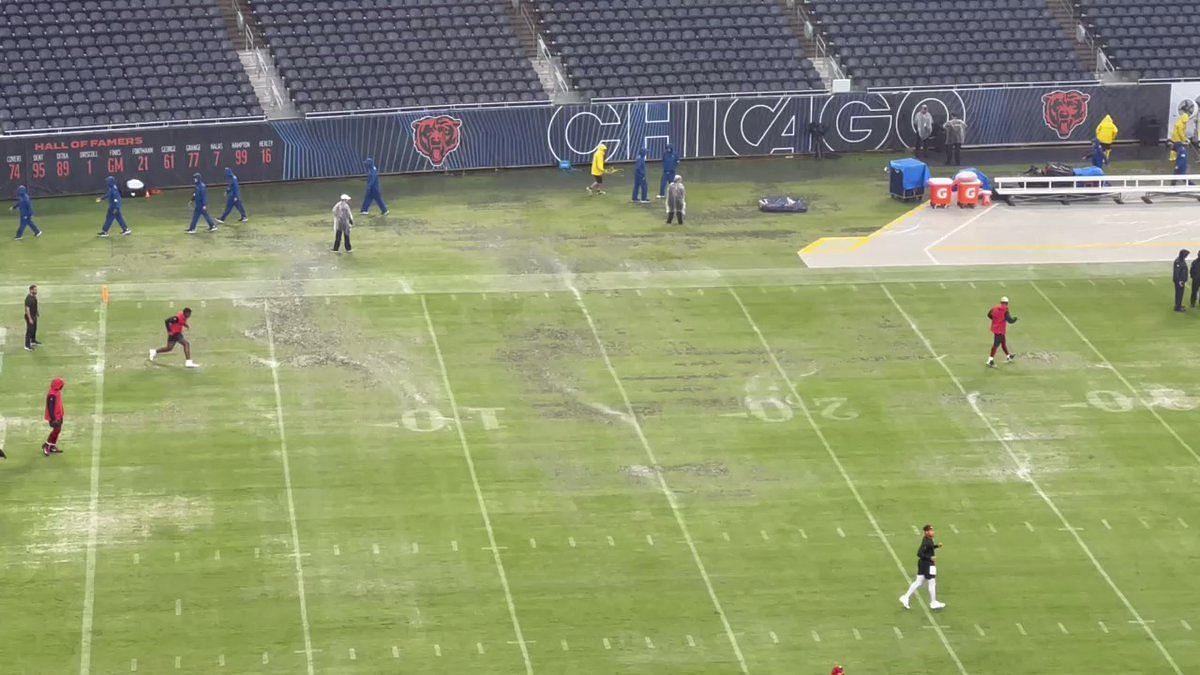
24 205
233 197
670 168
373 194
113 197
641 189
200 205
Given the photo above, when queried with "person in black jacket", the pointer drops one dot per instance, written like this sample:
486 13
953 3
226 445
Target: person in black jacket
1195 280
1179 275
926 571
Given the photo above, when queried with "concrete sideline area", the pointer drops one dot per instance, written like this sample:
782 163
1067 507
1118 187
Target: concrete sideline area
1099 232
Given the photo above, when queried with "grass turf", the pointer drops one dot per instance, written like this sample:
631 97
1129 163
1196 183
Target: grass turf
675 475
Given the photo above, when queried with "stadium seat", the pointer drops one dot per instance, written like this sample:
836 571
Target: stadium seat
1150 39
886 44
398 53
92 61
612 48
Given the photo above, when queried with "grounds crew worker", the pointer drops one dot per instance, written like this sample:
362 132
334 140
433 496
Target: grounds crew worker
1106 134
1179 275
1195 280
956 134
598 170
923 121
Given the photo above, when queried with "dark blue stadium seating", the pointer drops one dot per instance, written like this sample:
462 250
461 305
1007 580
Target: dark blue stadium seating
1156 39
616 48
883 43
111 62
372 54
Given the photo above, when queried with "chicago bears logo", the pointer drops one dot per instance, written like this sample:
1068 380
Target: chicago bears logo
437 137
1065 111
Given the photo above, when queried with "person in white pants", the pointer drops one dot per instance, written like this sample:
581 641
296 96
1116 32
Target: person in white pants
926 571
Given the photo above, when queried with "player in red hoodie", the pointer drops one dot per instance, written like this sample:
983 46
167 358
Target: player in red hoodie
54 415
1000 317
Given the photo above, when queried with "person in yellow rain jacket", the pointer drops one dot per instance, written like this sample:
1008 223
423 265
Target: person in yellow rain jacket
1179 136
1106 135
598 169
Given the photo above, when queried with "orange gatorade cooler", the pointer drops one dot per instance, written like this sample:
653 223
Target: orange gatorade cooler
940 192
968 193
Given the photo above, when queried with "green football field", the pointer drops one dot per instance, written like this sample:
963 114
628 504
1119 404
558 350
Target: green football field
524 430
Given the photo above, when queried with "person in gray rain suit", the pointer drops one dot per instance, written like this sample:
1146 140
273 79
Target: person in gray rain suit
676 200
343 220
923 121
956 134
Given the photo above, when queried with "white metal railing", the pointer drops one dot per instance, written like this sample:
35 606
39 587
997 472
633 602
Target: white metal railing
1154 80
1082 34
1116 187
721 95
55 131
428 108
551 63
266 67
986 85
822 47
544 55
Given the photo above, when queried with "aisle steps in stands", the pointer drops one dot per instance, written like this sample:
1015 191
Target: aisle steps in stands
1065 14
263 75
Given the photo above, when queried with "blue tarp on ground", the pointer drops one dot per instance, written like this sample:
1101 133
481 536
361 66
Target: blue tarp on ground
1089 171
914 174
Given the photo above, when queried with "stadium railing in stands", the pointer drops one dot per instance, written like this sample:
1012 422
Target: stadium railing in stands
819 43
429 109
264 65
130 126
988 85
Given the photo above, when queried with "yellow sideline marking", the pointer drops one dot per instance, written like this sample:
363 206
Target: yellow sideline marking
1068 247
852 244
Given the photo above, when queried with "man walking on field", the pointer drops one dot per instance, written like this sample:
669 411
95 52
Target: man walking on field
926 571
1000 317
175 328
343 220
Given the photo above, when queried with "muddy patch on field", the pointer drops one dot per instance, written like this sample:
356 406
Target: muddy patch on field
698 470
303 341
64 529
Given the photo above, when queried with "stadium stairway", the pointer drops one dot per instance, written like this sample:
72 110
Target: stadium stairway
826 64
268 86
1084 52
246 35
549 70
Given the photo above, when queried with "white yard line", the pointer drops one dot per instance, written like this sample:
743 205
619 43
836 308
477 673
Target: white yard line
951 233
287 482
662 481
1108 364
1034 483
483 510
238 290
89 583
812 423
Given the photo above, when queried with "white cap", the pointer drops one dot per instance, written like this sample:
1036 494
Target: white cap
1004 299
345 198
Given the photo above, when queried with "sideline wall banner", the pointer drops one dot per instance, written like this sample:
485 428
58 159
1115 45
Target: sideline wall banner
542 136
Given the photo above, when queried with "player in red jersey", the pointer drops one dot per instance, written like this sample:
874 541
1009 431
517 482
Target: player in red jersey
837 670
54 416
1000 317
175 327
